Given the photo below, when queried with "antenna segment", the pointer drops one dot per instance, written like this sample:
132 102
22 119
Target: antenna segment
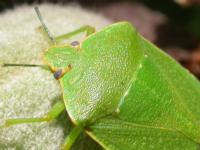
44 25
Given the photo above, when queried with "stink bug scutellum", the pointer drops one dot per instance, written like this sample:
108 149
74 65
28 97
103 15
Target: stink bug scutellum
124 92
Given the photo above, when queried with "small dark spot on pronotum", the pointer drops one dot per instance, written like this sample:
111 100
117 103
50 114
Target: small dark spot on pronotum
74 43
57 74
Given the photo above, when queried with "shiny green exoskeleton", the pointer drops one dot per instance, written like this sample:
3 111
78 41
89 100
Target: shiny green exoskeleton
124 92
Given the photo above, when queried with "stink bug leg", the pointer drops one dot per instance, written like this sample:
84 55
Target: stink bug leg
55 111
88 29
70 139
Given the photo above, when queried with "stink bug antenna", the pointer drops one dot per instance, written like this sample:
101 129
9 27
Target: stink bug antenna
44 25
26 65
50 37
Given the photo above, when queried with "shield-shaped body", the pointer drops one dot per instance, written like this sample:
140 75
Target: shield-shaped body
128 93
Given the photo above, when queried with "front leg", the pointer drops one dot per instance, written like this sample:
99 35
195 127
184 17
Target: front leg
55 111
87 29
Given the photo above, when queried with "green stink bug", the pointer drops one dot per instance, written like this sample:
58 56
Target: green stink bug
116 87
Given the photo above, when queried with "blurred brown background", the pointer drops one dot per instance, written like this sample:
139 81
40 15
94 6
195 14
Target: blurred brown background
173 25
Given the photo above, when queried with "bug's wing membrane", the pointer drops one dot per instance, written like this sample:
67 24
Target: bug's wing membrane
114 134
163 94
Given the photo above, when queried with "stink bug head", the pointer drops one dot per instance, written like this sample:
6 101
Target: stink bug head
58 58
61 59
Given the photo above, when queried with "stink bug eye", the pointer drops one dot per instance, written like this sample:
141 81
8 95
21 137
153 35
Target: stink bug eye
57 74
74 43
